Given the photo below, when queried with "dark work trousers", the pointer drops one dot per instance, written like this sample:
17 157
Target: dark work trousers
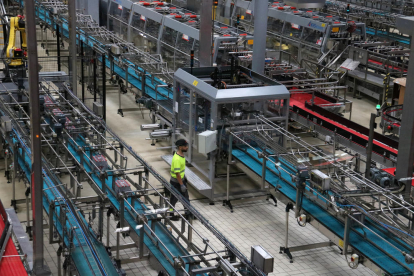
177 186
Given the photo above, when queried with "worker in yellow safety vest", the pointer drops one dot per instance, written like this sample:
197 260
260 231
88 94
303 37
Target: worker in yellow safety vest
178 179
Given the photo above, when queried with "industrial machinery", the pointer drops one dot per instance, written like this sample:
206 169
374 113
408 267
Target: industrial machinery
304 33
327 189
237 118
330 38
208 99
380 24
374 67
13 53
75 140
11 253
396 7
172 32
391 120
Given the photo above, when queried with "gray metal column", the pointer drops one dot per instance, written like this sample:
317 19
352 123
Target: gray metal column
39 267
260 30
72 44
370 144
206 33
406 143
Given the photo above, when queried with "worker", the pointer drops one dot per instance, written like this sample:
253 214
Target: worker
178 179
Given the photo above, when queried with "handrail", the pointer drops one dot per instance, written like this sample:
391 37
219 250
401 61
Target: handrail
327 53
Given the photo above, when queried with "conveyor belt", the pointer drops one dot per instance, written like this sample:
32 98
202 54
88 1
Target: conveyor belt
372 247
11 263
385 34
383 146
83 254
160 229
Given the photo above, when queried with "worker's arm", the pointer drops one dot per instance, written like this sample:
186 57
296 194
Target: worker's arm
178 175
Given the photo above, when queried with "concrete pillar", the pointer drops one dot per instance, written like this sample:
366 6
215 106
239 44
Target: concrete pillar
406 143
260 31
205 38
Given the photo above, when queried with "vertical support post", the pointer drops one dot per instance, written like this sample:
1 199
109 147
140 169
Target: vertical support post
190 229
264 172
51 225
406 146
72 43
206 32
58 46
95 64
103 86
260 31
347 230
141 241
15 161
39 267
59 261
121 225
28 227
146 184
82 71
285 249
101 220
191 127
230 147
370 143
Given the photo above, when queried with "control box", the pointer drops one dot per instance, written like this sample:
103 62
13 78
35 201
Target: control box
115 50
98 108
262 259
6 123
207 141
320 179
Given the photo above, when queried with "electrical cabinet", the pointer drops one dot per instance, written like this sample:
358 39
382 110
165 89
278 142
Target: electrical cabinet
207 141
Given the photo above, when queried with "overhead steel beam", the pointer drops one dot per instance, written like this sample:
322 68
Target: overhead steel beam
39 266
260 31
206 33
406 142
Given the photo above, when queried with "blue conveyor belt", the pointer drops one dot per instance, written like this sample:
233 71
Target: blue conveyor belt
161 231
377 254
82 254
385 34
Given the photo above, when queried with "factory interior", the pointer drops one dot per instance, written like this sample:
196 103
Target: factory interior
291 116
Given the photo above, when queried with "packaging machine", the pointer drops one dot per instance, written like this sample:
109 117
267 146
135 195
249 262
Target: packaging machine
209 98
329 39
380 24
172 32
305 33
394 6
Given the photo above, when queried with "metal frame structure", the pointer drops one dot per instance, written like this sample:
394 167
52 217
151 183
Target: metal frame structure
171 32
379 23
355 201
200 106
307 34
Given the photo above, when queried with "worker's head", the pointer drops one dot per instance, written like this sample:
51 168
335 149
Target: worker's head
182 145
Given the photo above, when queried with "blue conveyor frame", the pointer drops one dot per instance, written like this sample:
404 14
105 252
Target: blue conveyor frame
372 247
